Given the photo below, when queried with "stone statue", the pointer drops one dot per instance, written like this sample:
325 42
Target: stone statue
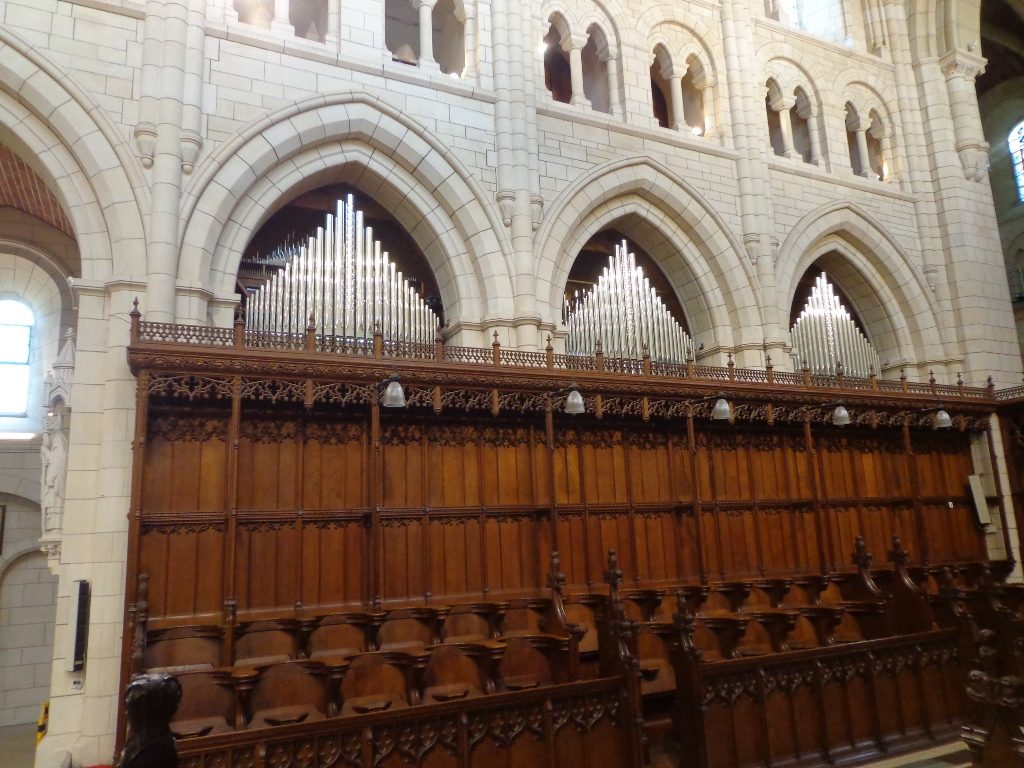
150 702
54 470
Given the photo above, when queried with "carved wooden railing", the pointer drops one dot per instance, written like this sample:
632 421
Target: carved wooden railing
580 723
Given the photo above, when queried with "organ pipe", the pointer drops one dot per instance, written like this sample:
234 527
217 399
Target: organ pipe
622 311
341 277
825 335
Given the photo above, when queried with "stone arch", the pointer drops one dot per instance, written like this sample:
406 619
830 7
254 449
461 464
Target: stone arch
674 225
682 44
380 151
892 299
790 75
48 121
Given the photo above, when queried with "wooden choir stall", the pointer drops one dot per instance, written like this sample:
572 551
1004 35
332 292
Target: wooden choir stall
357 546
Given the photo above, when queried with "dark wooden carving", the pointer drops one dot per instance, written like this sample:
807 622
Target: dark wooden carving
150 702
337 582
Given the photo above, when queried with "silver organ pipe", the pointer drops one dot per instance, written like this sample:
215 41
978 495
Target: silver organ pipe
622 311
342 278
825 335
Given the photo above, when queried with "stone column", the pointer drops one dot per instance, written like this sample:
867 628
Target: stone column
961 68
889 174
574 47
332 35
707 92
281 24
426 10
611 65
471 68
677 121
813 134
862 149
782 106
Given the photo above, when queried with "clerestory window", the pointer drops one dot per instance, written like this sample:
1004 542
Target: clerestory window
16 321
1016 143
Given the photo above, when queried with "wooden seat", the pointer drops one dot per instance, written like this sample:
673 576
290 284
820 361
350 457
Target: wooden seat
376 682
287 693
410 630
260 643
182 649
339 636
451 675
207 704
523 666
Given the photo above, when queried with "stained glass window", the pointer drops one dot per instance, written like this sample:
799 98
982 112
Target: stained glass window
1016 142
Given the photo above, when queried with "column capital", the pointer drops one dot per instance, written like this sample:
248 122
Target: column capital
417 4
574 42
960 63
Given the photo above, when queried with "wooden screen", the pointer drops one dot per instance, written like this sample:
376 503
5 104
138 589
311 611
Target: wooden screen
272 508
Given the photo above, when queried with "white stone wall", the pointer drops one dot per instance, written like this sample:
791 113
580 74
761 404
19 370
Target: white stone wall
170 132
27 605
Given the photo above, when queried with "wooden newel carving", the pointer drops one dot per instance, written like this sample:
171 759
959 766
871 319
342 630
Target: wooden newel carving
141 621
995 732
150 702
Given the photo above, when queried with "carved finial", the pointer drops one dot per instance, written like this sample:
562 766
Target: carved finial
959 379
556 579
931 377
437 334
645 350
861 557
903 374
495 337
898 555
729 358
990 384
839 368
613 575
767 360
135 307
549 342
598 347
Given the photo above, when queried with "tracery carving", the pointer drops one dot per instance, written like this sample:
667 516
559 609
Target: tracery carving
187 427
333 432
190 387
273 390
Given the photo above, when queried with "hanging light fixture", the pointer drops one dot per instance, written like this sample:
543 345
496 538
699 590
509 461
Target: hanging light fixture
941 419
722 410
394 395
840 416
574 401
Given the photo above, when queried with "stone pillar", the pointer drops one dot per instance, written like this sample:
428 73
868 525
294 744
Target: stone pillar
677 120
611 65
332 35
574 47
782 106
472 67
889 174
814 135
707 92
426 10
862 149
961 68
281 24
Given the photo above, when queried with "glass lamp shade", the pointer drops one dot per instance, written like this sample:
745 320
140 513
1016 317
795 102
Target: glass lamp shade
394 395
574 402
840 416
722 410
942 420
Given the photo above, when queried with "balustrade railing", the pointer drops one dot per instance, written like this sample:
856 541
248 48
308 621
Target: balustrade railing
240 338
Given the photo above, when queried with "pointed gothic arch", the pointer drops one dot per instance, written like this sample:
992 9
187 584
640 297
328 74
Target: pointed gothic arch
683 234
893 301
357 139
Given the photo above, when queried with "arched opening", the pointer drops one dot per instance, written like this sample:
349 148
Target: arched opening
16 323
616 293
28 604
449 38
661 89
874 138
362 268
307 17
854 138
826 330
772 102
1015 142
800 115
557 74
402 31
595 70
693 101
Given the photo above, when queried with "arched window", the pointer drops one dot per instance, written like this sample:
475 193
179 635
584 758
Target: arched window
16 321
1016 143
